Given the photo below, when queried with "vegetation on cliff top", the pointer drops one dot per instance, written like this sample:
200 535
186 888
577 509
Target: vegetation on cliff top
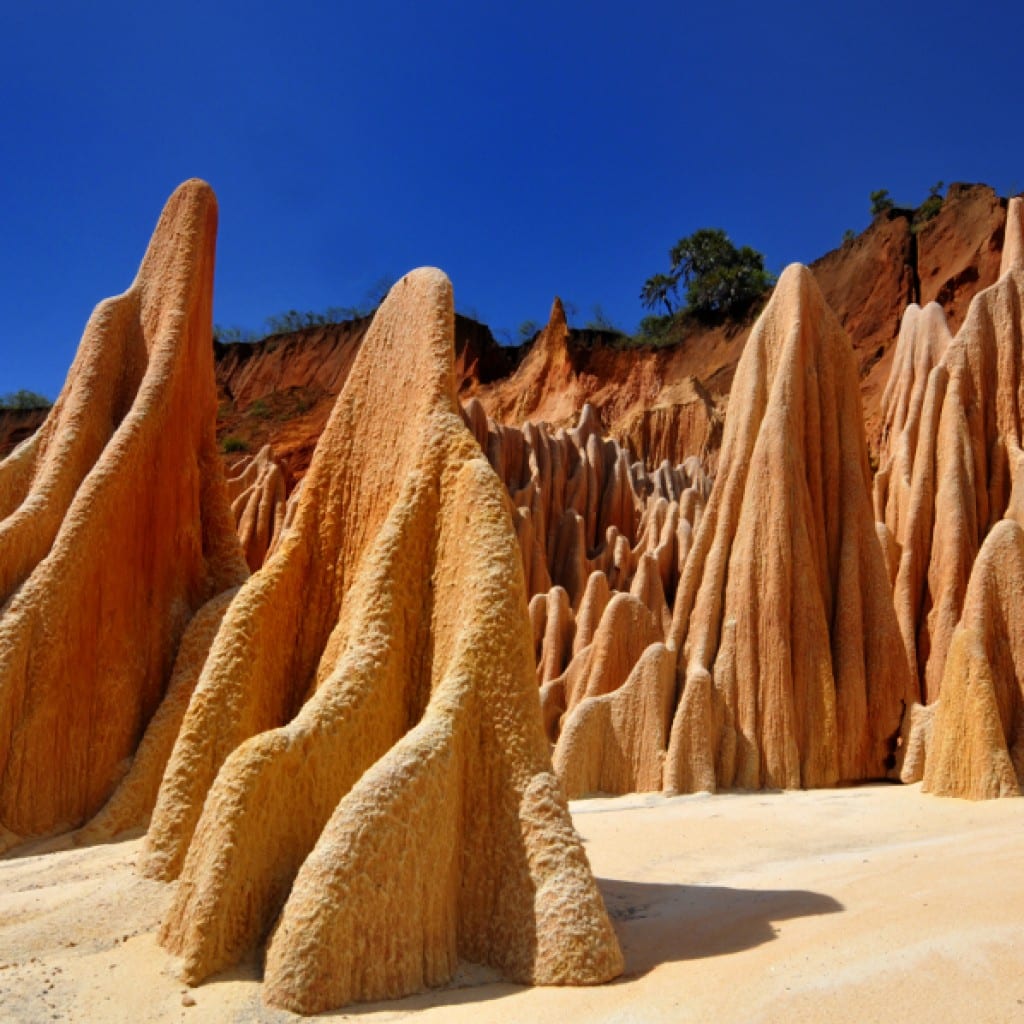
23 400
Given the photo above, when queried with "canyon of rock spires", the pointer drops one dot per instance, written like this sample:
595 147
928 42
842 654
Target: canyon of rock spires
361 772
603 543
115 531
344 754
958 579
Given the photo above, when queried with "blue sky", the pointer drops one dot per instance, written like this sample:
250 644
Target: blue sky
527 149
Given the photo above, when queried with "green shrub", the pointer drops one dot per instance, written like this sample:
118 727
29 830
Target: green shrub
527 329
881 201
232 444
24 400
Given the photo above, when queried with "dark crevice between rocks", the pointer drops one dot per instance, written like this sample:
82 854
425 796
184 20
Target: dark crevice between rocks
915 276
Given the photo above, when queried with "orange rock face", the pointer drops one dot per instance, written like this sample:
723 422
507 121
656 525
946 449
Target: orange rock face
791 668
361 771
651 400
115 531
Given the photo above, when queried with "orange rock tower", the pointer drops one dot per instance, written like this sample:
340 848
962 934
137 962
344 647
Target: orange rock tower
115 531
791 668
361 772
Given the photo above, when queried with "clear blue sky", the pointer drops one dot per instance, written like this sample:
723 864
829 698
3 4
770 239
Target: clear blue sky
526 148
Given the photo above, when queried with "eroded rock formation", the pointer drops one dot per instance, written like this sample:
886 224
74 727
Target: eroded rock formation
962 564
791 666
975 746
259 497
115 532
361 771
952 469
603 542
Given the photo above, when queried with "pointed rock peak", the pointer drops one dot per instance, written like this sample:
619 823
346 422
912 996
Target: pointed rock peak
398 575
1013 240
793 671
119 493
589 424
798 290
190 215
556 318
934 317
797 320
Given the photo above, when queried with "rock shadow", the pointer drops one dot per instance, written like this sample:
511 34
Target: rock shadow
658 923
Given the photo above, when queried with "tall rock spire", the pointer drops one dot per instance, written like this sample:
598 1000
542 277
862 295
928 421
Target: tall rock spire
792 671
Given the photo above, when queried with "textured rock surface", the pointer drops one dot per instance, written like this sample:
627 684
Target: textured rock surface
362 767
603 543
792 668
584 505
259 498
976 745
115 530
966 457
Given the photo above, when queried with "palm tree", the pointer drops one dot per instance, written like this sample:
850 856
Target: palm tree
657 291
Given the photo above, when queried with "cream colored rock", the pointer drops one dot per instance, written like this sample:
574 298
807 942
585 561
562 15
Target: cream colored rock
361 772
792 671
615 742
976 745
259 497
115 530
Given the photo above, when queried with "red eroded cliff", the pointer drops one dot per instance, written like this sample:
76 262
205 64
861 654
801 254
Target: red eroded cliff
663 402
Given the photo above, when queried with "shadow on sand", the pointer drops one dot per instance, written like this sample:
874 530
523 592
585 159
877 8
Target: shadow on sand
657 923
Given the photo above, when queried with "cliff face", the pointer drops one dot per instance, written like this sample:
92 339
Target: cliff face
16 425
663 403
280 391
870 281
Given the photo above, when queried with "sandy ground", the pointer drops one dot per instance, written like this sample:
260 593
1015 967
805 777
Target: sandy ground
860 905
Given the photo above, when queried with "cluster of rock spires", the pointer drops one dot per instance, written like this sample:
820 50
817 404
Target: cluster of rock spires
350 715
691 638
357 719
950 492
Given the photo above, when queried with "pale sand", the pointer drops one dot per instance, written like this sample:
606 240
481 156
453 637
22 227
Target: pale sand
860 905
